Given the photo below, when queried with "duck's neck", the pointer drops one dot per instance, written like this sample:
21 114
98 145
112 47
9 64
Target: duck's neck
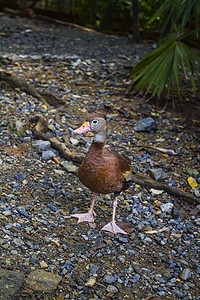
97 145
100 137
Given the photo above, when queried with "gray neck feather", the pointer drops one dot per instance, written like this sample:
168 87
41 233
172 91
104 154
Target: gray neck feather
100 137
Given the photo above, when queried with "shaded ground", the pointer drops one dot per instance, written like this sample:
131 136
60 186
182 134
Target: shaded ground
89 71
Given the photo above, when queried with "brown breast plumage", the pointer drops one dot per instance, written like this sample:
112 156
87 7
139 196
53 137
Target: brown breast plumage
104 171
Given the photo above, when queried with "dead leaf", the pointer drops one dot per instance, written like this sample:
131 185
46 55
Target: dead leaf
157 230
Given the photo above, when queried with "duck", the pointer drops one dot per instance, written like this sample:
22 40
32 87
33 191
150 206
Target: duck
103 171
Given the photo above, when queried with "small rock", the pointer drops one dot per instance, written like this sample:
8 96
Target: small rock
43 265
197 221
122 239
41 145
22 211
74 141
146 124
185 274
156 192
42 281
135 278
167 208
92 280
112 289
18 242
69 167
109 279
10 283
20 128
122 258
47 154
7 213
158 173
192 172
94 269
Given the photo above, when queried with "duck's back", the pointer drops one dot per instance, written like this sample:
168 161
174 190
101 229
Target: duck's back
104 171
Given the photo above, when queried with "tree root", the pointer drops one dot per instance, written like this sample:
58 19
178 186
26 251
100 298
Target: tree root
15 82
40 125
147 181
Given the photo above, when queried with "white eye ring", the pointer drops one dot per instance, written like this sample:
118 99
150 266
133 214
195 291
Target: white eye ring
94 122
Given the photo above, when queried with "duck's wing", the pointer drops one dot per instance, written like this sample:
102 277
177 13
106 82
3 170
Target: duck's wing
123 163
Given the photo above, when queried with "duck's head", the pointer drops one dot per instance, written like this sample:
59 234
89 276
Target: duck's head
97 124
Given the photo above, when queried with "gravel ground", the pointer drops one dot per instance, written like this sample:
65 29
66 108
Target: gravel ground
43 253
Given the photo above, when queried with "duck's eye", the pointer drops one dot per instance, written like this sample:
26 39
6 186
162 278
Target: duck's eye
94 122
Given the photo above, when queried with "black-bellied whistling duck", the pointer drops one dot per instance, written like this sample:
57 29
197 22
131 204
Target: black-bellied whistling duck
103 171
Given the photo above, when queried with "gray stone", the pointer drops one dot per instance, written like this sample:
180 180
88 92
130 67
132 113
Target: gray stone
20 128
47 154
146 124
192 172
42 281
69 167
94 269
135 278
74 141
167 208
186 273
109 279
10 283
158 173
112 289
18 242
197 221
41 145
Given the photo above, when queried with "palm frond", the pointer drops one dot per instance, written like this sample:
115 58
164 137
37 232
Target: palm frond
162 66
178 12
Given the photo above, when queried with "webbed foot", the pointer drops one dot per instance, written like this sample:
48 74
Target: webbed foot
112 227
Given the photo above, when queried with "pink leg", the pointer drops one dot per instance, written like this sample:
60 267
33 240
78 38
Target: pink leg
89 216
112 227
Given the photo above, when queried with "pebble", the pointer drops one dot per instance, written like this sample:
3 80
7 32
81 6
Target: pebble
40 280
158 174
186 274
112 289
167 208
48 154
43 265
109 279
147 124
20 127
92 280
69 167
135 278
74 141
41 145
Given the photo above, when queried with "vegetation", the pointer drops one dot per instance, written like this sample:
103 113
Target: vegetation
176 55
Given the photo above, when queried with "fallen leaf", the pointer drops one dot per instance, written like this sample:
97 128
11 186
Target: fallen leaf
157 230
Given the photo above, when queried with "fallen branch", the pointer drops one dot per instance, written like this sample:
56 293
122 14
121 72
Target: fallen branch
55 143
163 150
16 82
151 183
47 99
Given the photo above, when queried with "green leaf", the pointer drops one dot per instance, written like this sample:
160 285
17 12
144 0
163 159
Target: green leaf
163 66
